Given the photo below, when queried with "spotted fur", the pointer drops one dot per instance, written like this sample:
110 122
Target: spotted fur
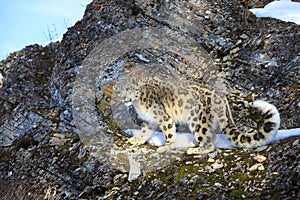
161 105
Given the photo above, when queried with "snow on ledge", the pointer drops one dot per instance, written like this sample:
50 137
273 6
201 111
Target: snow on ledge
284 10
183 139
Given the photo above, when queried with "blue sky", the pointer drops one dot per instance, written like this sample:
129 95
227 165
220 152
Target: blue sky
26 22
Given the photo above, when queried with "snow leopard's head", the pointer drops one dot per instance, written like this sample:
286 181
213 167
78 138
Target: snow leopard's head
127 92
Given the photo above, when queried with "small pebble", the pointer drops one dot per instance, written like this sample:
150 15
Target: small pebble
260 158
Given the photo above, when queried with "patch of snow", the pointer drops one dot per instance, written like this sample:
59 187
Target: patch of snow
142 58
283 134
2 79
222 142
284 10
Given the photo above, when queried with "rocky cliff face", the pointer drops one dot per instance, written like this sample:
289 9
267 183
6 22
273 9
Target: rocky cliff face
58 109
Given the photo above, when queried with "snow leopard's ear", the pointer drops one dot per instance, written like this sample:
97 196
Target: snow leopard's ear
138 81
132 80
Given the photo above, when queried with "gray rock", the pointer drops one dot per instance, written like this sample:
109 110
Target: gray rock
66 90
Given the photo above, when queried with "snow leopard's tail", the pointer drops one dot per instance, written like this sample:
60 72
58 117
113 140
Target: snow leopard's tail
268 122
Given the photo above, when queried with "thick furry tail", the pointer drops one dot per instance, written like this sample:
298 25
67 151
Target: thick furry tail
268 122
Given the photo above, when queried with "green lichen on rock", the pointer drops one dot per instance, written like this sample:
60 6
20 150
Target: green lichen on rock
103 106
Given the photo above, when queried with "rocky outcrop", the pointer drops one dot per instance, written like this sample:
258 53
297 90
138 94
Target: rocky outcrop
49 90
